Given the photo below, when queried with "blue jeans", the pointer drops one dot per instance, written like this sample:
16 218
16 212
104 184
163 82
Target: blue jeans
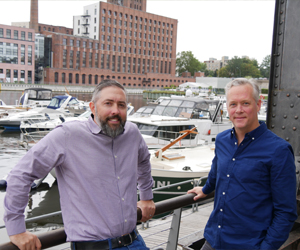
138 244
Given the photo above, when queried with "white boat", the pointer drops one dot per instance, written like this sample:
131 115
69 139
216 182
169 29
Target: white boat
187 166
167 119
58 107
30 98
32 132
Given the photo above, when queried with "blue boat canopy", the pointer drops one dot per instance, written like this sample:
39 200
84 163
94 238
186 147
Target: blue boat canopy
58 100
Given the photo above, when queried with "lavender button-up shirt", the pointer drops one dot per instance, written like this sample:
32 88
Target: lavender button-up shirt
97 179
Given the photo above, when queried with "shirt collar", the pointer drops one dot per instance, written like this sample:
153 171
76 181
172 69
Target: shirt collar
95 129
254 134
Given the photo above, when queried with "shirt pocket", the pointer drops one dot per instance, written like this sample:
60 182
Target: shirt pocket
249 171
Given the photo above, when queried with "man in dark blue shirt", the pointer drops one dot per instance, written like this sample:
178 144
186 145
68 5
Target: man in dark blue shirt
253 175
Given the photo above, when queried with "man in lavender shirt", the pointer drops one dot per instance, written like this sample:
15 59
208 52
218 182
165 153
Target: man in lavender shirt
98 164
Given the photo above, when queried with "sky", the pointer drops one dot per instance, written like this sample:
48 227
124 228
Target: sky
207 28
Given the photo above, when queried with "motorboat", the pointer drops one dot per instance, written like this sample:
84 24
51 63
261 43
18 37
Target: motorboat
30 98
57 107
32 132
27 126
180 168
167 119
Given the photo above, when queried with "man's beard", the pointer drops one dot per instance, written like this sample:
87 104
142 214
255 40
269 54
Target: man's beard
103 124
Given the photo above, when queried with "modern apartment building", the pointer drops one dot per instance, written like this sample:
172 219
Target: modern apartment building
17 54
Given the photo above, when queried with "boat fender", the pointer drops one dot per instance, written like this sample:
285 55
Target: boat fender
3 183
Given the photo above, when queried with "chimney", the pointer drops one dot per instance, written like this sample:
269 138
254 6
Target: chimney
34 15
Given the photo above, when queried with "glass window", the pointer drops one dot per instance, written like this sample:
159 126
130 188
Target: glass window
8 33
22 35
16 34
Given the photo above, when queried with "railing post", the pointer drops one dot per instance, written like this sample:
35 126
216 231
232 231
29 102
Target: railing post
174 231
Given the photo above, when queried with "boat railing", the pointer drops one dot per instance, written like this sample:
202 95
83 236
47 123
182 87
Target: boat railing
58 236
30 138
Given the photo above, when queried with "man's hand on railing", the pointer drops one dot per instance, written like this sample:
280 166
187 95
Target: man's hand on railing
198 192
26 241
148 209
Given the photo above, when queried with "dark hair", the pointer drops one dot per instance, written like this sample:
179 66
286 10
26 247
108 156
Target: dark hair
104 84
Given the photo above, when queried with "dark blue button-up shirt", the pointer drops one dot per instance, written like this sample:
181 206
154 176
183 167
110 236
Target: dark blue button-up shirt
255 191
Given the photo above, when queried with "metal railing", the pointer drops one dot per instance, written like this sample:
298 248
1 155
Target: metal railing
58 236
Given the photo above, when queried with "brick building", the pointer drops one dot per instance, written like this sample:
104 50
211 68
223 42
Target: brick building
116 39
16 54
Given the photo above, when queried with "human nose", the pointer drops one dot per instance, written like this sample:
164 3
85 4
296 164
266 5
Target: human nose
115 109
239 108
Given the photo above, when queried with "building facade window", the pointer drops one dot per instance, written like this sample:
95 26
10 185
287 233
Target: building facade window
16 34
23 35
77 78
56 77
63 77
71 59
70 78
84 59
29 55
64 58
96 60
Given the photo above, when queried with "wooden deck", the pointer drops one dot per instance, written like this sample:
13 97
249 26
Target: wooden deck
191 228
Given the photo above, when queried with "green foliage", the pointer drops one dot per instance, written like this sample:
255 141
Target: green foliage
187 62
264 91
210 73
172 86
265 67
240 67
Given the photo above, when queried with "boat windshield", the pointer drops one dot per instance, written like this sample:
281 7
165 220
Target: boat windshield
146 129
165 132
143 111
39 94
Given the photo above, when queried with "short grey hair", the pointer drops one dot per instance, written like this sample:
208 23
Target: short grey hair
244 81
104 84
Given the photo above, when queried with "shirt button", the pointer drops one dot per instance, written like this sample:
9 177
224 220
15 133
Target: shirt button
115 156
118 177
219 226
123 199
125 220
223 193
235 143
228 175
221 210
252 138
233 159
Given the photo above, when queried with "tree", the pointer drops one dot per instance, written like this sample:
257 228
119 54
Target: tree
240 67
265 66
187 62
